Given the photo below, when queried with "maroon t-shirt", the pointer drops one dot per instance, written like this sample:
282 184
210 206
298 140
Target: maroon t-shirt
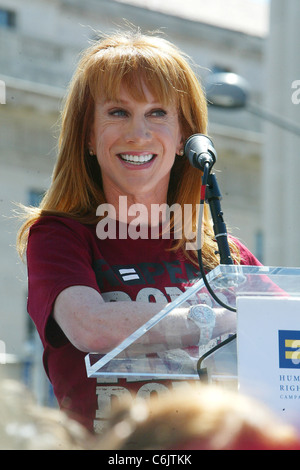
62 253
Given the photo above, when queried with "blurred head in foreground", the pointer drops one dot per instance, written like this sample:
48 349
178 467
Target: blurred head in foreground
27 426
204 418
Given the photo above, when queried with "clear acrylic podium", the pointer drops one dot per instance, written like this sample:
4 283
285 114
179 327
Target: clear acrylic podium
213 362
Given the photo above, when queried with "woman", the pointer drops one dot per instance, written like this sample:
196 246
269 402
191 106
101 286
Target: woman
132 103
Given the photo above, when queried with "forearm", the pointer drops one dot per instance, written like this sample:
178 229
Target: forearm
91 324
104 327
94 325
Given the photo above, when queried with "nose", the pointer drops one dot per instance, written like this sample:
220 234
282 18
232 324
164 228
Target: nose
137 130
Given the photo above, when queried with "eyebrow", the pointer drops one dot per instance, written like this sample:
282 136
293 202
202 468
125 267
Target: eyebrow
125 102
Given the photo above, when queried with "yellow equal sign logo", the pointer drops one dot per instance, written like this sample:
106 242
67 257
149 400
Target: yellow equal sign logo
294 344
289 349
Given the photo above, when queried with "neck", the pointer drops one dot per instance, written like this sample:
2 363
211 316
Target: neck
139 209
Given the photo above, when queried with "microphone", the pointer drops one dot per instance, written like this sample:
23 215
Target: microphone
200 150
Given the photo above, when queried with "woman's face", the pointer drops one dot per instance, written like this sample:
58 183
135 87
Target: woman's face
135 143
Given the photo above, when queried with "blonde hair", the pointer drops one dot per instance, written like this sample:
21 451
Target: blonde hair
24 425
128 59
198 417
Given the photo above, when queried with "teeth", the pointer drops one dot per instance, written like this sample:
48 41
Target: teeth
136 159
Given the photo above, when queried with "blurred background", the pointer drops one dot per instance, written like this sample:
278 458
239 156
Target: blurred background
256 138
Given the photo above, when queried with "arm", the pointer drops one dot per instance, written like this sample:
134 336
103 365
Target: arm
91 324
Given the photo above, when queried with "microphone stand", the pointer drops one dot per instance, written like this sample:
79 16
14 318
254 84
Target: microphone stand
201 153
213 196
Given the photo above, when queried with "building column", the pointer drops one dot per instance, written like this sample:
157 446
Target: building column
281 159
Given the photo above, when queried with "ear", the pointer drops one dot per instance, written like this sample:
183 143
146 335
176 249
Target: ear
92 142
180 146
91 135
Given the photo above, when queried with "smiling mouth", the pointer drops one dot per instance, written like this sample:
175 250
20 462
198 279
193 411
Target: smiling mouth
136 159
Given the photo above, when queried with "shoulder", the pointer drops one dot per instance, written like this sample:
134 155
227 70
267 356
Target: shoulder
247 257
52 233
56 224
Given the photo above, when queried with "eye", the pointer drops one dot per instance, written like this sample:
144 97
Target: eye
158 112
118 112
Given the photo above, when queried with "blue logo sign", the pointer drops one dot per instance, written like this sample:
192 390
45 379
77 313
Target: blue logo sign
289 349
